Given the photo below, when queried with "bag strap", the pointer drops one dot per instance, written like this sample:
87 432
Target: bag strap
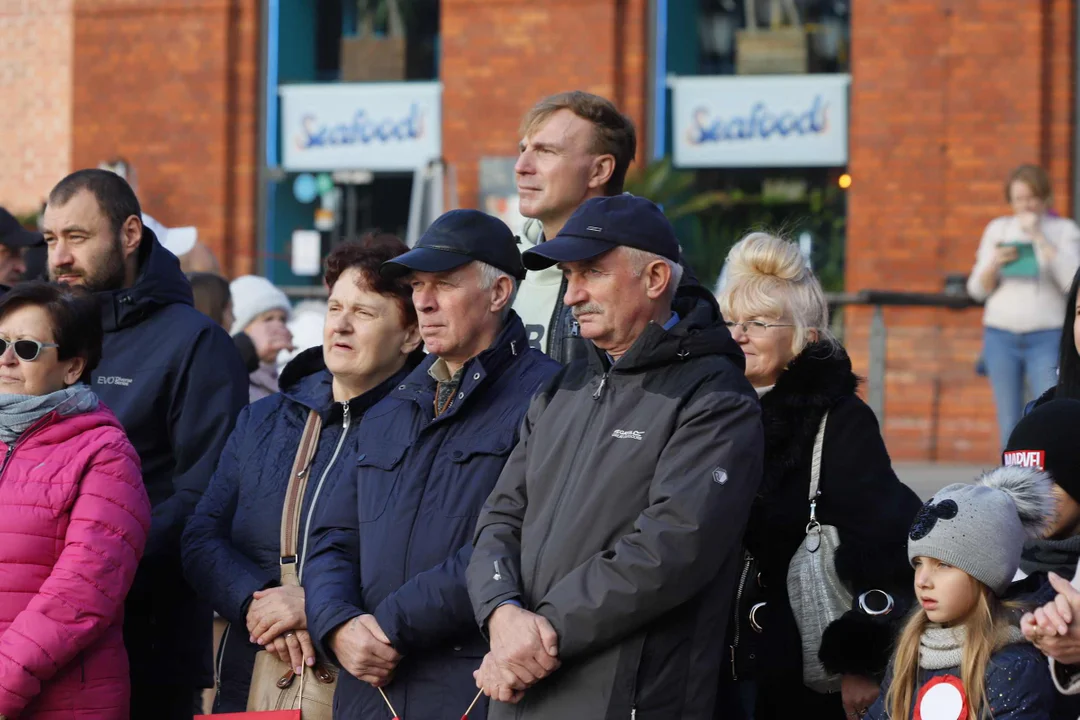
815 464
294 498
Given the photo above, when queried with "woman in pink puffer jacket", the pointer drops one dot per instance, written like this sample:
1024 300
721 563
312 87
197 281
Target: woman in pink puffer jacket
74 515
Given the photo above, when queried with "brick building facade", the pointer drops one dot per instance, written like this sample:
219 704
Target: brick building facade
946 97
959 94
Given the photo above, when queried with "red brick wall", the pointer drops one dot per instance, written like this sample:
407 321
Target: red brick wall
946 99
499 57
35 100
171 85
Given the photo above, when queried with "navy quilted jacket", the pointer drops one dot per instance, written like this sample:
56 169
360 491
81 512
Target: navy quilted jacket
394 538
231 545
1018 686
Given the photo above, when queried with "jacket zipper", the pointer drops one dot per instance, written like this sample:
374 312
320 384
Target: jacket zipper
738 604
553 326
346 420
29 431
7 456
220 661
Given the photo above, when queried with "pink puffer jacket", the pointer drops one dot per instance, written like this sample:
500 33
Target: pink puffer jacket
73 523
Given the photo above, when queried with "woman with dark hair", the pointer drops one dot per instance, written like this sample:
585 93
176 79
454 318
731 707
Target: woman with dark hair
231 547
1022 270
212 297
74 514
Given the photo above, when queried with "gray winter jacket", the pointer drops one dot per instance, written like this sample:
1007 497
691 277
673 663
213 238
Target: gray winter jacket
619 518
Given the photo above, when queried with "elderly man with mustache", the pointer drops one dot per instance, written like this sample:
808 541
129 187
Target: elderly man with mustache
605 557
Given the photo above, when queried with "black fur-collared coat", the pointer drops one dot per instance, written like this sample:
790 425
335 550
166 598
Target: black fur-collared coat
860 495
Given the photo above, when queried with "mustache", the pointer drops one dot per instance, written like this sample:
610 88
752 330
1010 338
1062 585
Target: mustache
589 307
59 270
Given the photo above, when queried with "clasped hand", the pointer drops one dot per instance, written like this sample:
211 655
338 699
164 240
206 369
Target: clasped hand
276 620
524 650
1053 627
364 651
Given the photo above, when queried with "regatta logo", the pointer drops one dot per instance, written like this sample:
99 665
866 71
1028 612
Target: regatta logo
1025 458
761 123
363 129
628 434
114 380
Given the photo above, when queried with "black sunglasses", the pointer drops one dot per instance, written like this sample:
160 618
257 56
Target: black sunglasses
27 350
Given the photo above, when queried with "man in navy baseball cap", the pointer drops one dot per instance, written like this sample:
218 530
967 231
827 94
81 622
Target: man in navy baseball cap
602 224
457 238
14 240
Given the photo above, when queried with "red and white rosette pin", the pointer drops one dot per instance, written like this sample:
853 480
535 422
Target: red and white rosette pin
942 698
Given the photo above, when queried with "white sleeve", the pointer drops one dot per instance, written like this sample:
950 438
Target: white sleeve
984 258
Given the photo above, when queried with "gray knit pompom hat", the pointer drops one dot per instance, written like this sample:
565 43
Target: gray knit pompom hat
981 528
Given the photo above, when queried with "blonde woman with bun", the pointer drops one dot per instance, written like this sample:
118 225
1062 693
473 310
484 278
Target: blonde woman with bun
776 311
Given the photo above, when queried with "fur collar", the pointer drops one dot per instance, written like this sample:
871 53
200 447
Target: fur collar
813 382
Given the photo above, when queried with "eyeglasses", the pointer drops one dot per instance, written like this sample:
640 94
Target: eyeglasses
754 328
27 350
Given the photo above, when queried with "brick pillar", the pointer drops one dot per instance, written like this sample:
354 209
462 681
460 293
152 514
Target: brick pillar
35 97
171 85
499 57
946 99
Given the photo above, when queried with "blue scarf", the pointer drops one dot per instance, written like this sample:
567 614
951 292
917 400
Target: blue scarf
19 412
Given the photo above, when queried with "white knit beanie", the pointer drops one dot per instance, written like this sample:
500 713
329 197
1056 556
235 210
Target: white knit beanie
253 295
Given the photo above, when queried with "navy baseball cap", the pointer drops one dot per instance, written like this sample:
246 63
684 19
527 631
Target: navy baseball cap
602 224
13 234
459 237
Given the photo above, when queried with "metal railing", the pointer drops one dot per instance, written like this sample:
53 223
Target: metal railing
879 335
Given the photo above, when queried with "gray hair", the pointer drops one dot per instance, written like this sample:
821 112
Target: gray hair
640 259
489 275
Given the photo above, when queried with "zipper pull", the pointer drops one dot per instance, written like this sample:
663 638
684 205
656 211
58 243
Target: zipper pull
633 712
497 577
734 675
600 388
345 415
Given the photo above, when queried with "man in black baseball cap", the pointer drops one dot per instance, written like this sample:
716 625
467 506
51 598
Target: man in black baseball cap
440 439
14 240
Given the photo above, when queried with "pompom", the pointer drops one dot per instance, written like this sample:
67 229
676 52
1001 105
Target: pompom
1030 491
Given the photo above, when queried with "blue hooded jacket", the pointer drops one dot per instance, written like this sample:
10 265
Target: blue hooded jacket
175 381
232 544
395 535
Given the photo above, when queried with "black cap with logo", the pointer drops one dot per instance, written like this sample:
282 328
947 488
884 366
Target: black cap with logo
459 237
602 224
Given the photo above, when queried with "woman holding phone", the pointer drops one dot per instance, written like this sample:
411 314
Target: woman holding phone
1023 270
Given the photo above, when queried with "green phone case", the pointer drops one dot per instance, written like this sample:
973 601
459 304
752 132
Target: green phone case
1025 265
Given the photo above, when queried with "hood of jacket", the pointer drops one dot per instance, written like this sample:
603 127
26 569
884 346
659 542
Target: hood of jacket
791 412
532 234
160 282
305 380
698 333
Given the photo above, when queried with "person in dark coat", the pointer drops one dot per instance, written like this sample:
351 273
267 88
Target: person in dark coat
777 313
232 543
385 576
611 541
1068 368
1045 440
175 381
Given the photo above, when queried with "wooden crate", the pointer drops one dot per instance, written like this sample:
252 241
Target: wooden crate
781 51
368 58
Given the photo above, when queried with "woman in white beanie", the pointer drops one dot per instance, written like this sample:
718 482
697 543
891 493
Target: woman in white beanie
255 300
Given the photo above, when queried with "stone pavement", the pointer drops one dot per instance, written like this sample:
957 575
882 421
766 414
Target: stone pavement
928 478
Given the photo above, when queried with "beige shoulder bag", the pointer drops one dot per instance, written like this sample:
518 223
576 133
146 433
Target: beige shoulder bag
273 683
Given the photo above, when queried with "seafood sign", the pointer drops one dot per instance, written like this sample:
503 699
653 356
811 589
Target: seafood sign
369 126
775 121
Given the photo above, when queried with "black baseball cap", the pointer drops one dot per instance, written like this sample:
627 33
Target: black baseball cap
459 237
13 234
602 224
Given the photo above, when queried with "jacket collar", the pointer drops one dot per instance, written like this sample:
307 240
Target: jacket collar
698 333
307 382
813 382
509 345
160 282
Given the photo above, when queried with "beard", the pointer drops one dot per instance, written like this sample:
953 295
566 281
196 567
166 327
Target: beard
108 275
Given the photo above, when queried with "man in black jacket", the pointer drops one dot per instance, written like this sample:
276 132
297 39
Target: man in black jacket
611 540
176 382
575 146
